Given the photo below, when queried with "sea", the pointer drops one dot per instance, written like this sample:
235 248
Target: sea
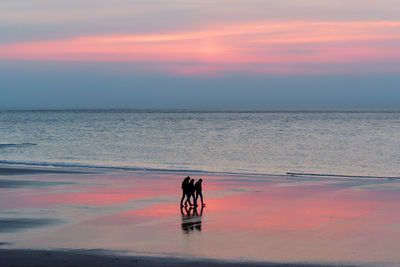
233 141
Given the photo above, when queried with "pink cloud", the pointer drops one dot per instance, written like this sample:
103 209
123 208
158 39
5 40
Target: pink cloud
256 47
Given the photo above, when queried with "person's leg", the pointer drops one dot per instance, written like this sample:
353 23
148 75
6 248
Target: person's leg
187 212
183 197
201 197
195 211
195 198
188 199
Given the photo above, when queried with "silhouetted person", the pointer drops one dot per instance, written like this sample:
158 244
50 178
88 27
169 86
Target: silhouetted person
190 192
199 192
185 185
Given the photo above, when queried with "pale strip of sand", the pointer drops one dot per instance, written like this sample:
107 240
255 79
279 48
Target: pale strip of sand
54 258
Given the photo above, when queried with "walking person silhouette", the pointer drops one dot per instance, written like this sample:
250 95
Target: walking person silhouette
190 192
199 192
185 185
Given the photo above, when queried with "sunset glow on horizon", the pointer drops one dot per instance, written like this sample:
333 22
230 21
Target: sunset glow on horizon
254 47
223 53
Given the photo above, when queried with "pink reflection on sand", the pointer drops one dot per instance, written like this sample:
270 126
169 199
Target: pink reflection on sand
266 221
119 191
149 214
92 196
300 209
270 219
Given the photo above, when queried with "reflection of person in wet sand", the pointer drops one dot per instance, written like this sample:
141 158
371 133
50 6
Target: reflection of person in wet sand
185 185
199 192
191 219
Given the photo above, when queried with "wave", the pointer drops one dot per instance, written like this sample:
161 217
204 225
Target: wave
132 168
79 165
17 145
147 169
340 176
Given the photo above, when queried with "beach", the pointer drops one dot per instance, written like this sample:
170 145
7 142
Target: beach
284 116
51 258
92 215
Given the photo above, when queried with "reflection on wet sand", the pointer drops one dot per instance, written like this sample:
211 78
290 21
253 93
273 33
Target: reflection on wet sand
191 219
262 219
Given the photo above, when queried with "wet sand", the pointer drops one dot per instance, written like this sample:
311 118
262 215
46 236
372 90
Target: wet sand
54 258
73 216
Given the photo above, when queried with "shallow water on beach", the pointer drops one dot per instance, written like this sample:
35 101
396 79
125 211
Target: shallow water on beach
227 141
274 219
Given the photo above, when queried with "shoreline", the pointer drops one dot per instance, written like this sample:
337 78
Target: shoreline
48 168
57 167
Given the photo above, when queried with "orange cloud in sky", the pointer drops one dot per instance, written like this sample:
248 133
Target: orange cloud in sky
262 46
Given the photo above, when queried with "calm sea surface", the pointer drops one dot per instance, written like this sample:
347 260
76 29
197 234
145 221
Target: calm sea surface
259 142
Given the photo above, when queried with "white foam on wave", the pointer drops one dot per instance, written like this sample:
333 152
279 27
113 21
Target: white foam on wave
79 165
128 168
132 168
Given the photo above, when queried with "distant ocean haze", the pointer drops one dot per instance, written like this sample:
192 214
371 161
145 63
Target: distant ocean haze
229 141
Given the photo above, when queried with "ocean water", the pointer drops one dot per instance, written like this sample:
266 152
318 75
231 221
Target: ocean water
342 142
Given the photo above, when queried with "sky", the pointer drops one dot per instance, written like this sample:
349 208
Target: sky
220 53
